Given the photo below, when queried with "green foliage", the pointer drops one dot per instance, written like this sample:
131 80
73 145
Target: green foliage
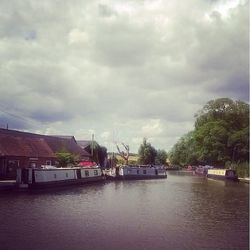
221 135
146 153
161 157
66 158
184 151
211 142
242 169
99 153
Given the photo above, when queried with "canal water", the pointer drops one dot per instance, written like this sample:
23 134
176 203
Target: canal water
180 212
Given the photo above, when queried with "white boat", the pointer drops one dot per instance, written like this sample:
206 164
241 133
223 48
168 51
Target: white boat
51 177
142 172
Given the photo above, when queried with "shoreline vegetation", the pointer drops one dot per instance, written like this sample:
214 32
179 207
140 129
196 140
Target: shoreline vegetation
220 139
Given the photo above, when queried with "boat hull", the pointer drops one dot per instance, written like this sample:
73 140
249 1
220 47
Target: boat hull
141 172
137 177
48 178
219 177
62 183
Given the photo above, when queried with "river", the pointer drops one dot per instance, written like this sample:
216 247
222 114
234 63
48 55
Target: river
180 212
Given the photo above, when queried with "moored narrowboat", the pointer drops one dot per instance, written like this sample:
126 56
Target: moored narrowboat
52 177
202 170
142 172
223 174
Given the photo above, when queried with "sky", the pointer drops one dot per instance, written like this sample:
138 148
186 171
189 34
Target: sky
121 70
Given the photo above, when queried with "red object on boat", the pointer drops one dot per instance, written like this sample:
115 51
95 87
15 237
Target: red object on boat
87 164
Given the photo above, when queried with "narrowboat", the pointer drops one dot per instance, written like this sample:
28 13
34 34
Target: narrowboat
223 174
202 170
142 172
52 177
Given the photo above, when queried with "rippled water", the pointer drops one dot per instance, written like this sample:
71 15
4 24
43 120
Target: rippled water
180 212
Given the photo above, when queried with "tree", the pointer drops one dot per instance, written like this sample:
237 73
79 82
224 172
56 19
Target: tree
161 157
235 113
221 135
102 156
146 153
239 144
99 153
184 151
65 158
124 154
211 143
221 130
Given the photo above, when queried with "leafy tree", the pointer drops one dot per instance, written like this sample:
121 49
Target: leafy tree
238 142
221 131
99 153
65 158
221 135
184 151
161 157
211 143
235 113
146 153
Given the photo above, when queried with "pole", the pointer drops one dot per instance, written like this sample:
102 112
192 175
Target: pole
92 145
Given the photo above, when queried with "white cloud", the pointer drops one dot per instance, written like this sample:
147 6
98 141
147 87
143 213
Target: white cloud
152 128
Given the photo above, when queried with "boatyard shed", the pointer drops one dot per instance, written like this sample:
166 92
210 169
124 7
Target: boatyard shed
21 150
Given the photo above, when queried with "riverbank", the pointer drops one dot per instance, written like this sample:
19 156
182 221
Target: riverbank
245 180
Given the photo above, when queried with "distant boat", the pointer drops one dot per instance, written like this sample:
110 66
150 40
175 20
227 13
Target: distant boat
52 176
110 173
224 174
142 172
202 170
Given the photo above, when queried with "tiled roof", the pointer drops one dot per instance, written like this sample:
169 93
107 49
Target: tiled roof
21 146
19 143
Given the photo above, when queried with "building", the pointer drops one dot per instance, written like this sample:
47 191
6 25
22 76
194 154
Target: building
21 150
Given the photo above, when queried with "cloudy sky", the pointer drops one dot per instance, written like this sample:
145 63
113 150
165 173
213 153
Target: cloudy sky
122 70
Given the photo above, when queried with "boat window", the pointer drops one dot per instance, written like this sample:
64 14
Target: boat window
95 172
48 162
55 176
144 171
86 173
138 171
67 175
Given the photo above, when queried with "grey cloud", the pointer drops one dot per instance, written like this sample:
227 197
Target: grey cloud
105 10
121 45
133 67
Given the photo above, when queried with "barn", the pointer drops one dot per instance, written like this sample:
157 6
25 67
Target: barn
22 149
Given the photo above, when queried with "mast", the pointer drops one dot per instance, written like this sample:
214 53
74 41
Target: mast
92 145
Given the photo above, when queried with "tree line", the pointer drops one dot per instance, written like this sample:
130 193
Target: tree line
220 136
